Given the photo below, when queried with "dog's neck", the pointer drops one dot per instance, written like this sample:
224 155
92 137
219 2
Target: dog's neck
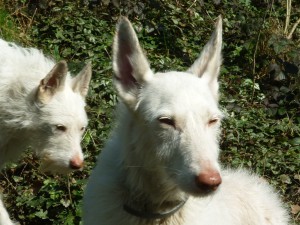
157 201
154 215
149 197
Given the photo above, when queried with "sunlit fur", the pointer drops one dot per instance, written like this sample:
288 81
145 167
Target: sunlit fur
167 135
26 121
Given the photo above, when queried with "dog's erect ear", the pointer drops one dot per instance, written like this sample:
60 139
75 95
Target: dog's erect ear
130 65
207 66
53 82
81 82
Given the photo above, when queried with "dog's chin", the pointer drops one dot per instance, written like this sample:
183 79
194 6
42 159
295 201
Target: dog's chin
55 168
198 192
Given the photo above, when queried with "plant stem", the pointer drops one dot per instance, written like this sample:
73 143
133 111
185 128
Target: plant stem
288 15
293 29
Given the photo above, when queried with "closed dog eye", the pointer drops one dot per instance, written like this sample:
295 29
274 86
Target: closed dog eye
213 121
61 127
167 121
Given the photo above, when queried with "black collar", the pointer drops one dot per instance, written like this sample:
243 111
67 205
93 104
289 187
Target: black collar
153 215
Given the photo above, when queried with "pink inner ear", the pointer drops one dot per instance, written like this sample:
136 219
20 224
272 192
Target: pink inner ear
125 68
52 82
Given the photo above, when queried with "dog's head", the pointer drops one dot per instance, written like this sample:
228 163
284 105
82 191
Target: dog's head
60 119
177 120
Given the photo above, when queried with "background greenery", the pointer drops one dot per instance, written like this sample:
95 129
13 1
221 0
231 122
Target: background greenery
260 84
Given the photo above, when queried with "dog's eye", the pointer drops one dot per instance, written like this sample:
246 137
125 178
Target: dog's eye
83 128
167 120
61 128
213 121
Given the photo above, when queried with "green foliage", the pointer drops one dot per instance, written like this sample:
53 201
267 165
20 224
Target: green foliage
261 129
8 29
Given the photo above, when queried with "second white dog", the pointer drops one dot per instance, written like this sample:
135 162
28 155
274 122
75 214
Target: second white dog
41 106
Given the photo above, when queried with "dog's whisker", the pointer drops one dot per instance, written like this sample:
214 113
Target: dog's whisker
134 166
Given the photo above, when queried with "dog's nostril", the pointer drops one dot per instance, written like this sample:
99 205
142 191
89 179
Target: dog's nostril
208 181
76 163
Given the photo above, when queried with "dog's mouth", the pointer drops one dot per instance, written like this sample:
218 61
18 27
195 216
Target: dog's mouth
199 192
57 167
198 189
205 192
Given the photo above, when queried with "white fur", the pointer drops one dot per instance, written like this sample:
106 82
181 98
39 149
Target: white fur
33 110
165 142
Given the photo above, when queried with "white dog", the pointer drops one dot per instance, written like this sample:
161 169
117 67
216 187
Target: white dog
161 164
41 106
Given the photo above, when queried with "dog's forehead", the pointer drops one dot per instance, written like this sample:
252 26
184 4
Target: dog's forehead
178 85
67 107
177 92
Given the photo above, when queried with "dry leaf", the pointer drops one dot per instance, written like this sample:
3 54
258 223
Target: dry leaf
295 209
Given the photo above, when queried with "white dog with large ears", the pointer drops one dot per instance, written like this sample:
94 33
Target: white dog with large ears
161 164
43 107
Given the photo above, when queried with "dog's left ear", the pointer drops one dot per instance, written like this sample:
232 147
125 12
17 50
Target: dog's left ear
81 82
52 83
207 66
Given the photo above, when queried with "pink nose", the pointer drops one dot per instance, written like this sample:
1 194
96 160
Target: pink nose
76 163
208 180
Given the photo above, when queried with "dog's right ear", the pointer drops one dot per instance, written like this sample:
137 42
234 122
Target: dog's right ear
81 82
130 65
53 82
